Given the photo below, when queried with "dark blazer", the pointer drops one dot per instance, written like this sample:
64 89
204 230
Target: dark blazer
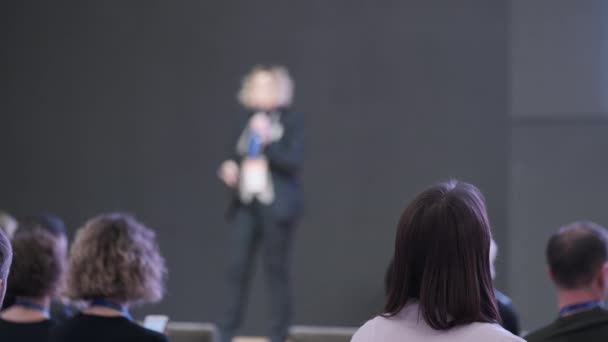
510 318
285 158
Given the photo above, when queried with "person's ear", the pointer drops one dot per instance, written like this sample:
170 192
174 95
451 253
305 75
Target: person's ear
550 274
602 279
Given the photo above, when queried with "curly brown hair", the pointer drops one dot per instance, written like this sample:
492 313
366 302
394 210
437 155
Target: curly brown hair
38 264
115 256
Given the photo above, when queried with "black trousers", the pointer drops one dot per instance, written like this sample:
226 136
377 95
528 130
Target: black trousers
256 227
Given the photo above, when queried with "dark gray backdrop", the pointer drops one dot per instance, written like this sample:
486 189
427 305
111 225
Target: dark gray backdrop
126 105
559 109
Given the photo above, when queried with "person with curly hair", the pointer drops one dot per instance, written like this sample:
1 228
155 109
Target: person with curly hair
114 263
35 278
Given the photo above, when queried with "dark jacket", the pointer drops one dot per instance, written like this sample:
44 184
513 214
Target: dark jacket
586 326
285 158
508 314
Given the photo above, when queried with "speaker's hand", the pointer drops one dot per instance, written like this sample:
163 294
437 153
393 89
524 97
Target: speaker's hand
260 124
229 173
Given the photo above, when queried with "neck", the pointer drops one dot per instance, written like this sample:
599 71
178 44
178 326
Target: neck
111 301
44 302
99 311
107 311
22 314
571 297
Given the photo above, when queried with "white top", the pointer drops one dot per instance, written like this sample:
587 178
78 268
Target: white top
409 326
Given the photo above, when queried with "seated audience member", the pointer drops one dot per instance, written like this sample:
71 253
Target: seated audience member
441 287
577 256
35 277
54 225
114 263
506 309
6 257
8 224
508 314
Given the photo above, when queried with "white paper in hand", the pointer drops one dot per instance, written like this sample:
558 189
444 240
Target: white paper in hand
254 176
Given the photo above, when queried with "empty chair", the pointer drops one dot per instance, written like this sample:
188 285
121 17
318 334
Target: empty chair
192 332
321 334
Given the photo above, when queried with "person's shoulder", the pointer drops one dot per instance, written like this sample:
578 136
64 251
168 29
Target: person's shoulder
542 334
366 331
136 332
148 335
494 332
59 330
118 326
538 335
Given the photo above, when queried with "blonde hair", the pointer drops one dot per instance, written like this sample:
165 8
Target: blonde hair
115 256
283 81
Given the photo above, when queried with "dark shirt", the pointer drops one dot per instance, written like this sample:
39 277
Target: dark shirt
587 326
92 328
59 311
285 158
25 332
510 318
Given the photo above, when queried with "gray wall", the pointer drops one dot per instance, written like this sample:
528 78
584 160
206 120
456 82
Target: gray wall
128 104
559 108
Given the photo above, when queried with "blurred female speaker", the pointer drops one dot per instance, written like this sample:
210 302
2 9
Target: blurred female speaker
263 174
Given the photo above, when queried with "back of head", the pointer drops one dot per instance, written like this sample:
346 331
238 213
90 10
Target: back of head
6 257
441 258
49 222
117 257
38 264
575 254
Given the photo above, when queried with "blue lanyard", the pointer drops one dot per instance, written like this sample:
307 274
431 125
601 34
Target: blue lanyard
105 303
254 146
31 305
584 306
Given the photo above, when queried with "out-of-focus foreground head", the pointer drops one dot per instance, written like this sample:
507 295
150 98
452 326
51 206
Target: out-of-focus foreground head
6 257
8 224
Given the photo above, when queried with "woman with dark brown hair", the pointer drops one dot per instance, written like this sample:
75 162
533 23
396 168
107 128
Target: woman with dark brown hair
440 284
